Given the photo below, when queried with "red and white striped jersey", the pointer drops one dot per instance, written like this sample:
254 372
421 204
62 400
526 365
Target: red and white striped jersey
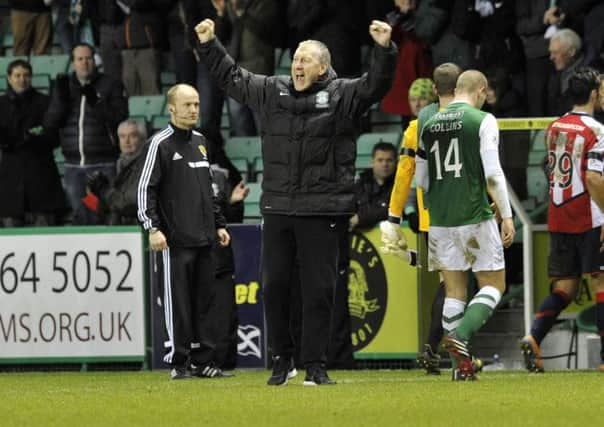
575 143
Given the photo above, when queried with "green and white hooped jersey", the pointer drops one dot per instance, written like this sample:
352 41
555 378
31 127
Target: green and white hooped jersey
452 141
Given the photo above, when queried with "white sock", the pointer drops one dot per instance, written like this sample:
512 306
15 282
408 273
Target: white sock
453 310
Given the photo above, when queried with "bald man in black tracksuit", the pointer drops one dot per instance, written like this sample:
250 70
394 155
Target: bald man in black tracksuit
176 205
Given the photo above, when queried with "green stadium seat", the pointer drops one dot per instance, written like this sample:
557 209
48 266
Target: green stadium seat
148 106
41 82
59 161
246 147
537 184
159 122
536 158
49 64
538 150
225 121
252 201
362 162
366 141
167 78
140 119
7 40
242 166
278 52
5 60
258 168
379 117
386 127
285 60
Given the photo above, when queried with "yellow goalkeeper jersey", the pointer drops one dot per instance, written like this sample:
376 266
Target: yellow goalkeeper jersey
405 172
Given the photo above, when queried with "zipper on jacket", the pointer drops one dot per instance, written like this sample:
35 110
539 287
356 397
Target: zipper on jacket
81 130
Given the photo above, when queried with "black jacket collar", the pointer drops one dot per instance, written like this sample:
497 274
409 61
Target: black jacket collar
180 135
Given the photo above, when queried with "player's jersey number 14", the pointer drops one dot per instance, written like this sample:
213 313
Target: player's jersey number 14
451 163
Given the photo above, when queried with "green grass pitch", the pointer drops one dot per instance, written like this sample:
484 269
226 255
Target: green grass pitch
361 398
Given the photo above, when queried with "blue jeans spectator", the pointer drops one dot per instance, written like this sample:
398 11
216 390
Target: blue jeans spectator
70 34
75 179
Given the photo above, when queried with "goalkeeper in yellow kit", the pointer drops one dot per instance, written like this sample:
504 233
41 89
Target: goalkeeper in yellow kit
445 78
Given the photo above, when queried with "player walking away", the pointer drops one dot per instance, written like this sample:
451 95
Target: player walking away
457 163
575 145
445 76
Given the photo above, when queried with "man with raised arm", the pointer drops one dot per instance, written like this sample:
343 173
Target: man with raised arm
310 123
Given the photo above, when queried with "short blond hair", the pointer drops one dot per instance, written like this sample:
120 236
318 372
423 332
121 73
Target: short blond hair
174 91
470 81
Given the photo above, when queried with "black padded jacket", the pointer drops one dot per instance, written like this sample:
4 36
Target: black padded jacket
309 137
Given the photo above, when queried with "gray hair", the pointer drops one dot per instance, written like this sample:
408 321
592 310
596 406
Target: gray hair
142 129
324 55
568 39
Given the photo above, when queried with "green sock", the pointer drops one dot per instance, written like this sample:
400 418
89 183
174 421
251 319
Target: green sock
479 310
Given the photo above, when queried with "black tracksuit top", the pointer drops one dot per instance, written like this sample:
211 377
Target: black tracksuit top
175 189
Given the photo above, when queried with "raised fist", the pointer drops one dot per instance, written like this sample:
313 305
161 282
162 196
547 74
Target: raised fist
380 32
205 30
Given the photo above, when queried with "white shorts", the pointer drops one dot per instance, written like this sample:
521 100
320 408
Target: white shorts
475 246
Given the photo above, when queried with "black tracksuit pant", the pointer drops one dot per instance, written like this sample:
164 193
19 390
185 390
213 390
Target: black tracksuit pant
225 320
187 298
312 242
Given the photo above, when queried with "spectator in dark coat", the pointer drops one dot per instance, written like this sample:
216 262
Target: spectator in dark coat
117 200
180 48
247 27
591 15
31 25
498 45
503 101
532 20
86 107
565 53
142 32
108 16
30 190
337 23
413 59
374 186
131 34
72 24
450 28
212 97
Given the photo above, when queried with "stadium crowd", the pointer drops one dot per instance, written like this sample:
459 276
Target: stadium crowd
515 43
527 49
